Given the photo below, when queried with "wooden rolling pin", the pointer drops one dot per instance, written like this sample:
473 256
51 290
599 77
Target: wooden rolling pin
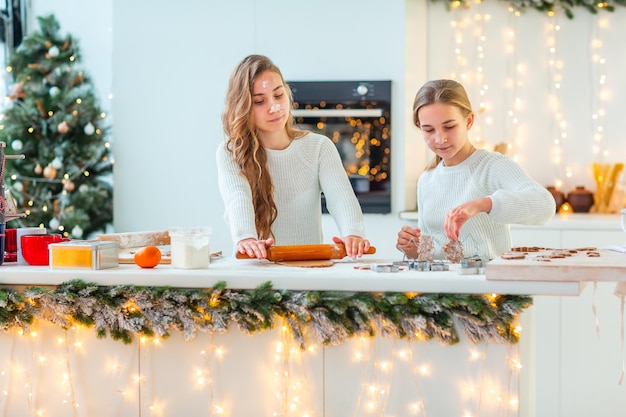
305 252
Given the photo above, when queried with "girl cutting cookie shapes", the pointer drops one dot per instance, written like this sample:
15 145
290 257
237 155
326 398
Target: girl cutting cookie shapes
271 174
467 194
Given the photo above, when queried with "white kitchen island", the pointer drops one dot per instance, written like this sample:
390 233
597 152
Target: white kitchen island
56 372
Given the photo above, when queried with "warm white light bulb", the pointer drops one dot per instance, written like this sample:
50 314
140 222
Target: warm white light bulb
385 366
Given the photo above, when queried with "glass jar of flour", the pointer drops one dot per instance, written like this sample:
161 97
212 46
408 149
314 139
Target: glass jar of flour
190 247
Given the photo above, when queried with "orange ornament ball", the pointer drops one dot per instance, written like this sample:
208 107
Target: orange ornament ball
63 127
147 257
49 172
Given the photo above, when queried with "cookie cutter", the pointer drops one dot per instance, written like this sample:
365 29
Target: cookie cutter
439 266
415 265
385 268
473 265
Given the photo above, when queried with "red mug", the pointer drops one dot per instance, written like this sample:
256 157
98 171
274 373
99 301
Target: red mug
10 240
35 247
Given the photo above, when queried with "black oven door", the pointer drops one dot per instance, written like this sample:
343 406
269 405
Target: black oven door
362 138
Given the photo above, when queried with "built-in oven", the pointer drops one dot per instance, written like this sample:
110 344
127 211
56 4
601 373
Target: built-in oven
355 115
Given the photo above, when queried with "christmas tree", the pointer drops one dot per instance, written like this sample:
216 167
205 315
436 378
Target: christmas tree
52 117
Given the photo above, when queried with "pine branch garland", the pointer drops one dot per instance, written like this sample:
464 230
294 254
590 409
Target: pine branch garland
14 310
547 6
124 312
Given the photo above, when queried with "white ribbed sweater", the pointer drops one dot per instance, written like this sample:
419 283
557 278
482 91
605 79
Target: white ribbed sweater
516 197
300 173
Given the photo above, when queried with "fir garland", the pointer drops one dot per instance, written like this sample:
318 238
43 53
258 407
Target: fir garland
547 6
330 317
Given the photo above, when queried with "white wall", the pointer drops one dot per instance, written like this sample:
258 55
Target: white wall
170 70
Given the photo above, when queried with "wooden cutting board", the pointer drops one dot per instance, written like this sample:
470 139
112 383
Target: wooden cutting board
130 242
609 266
137 239
127 255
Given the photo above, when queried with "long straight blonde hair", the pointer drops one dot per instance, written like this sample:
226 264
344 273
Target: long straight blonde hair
440 91
243 142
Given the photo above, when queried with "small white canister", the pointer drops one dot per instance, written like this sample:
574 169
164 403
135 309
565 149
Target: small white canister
190 247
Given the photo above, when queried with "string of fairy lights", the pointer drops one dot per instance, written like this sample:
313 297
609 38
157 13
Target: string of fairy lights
468 38
475 52
559 125
515 81
129 378
291 384
481 88
470 58
599 92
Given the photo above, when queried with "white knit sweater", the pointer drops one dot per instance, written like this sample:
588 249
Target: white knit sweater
300 173
516 197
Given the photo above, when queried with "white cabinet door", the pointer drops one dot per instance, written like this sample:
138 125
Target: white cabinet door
590 361
573 353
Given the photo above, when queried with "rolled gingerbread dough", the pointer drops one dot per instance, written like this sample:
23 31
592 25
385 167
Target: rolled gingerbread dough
322 263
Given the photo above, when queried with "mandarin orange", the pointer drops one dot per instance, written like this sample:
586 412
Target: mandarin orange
147 257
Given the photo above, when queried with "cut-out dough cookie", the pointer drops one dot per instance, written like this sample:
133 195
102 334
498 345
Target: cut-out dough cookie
454 251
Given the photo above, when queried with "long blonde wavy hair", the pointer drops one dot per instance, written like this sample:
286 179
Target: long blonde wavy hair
243 142
440 91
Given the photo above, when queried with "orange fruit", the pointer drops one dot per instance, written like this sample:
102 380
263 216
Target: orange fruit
147 257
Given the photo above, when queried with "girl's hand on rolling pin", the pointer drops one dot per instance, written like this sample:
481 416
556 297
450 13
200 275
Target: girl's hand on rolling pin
254 248
355 246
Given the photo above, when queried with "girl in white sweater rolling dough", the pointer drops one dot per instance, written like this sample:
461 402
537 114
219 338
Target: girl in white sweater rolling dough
271 174
467 194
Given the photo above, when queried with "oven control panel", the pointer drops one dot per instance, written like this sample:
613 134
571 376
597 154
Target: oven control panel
340 91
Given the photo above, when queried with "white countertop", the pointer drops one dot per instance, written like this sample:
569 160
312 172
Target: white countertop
248 274
572 221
